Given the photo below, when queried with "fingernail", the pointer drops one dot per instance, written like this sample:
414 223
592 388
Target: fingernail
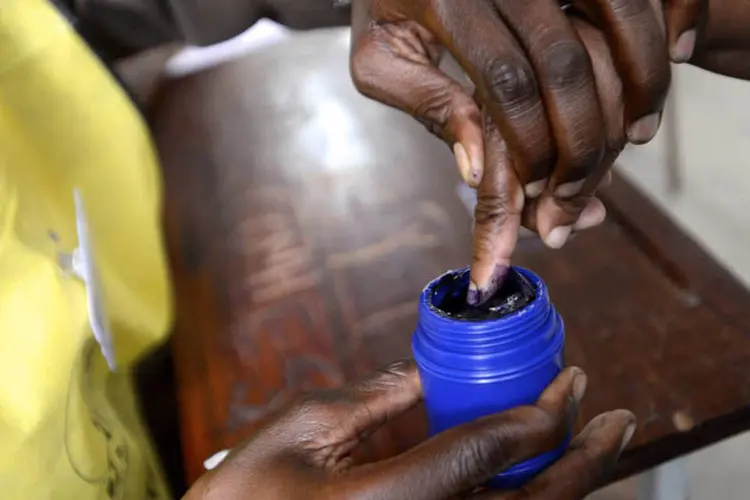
463 161
472 297
644 129
593 215
534 189
469 171
569 189
627 436
579 385
558 236
683 49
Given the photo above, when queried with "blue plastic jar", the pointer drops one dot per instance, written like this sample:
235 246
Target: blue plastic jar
472 368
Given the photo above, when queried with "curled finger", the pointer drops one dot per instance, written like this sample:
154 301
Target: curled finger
332 422
557 214
566 81
683 19
505 80
396 64
636 34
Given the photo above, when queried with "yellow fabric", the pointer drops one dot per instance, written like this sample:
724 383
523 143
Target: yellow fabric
68 427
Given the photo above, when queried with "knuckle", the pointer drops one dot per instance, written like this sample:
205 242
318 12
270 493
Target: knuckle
545 421
318 406
649 81
492 209
653 83
358 57
434 108
560 421
586 157
361 71
598 464
481 455
571 208
550 426
628 8
356 71
614 145
366 67
511 82
566 65
483 246
381 380
465 110
396 373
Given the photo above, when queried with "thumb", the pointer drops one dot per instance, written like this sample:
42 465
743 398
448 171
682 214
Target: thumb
396 64
458 459
591 457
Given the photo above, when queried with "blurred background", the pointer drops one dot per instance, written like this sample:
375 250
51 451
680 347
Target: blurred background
697 169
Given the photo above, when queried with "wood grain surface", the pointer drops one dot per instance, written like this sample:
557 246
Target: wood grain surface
303 220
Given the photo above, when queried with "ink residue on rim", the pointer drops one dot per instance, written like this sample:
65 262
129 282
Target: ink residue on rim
449 297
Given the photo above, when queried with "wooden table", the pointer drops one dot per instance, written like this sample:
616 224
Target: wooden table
303 220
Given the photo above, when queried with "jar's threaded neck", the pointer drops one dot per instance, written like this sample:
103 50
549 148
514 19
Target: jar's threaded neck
504 344
437 323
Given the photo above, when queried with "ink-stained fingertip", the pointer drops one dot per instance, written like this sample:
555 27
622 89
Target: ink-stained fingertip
477 295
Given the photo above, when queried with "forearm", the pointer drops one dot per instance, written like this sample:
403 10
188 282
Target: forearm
723 44
130 26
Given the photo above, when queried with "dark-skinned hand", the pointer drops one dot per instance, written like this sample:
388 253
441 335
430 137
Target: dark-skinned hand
552 107
305 453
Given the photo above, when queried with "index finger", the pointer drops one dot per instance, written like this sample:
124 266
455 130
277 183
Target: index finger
338 419
497 217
